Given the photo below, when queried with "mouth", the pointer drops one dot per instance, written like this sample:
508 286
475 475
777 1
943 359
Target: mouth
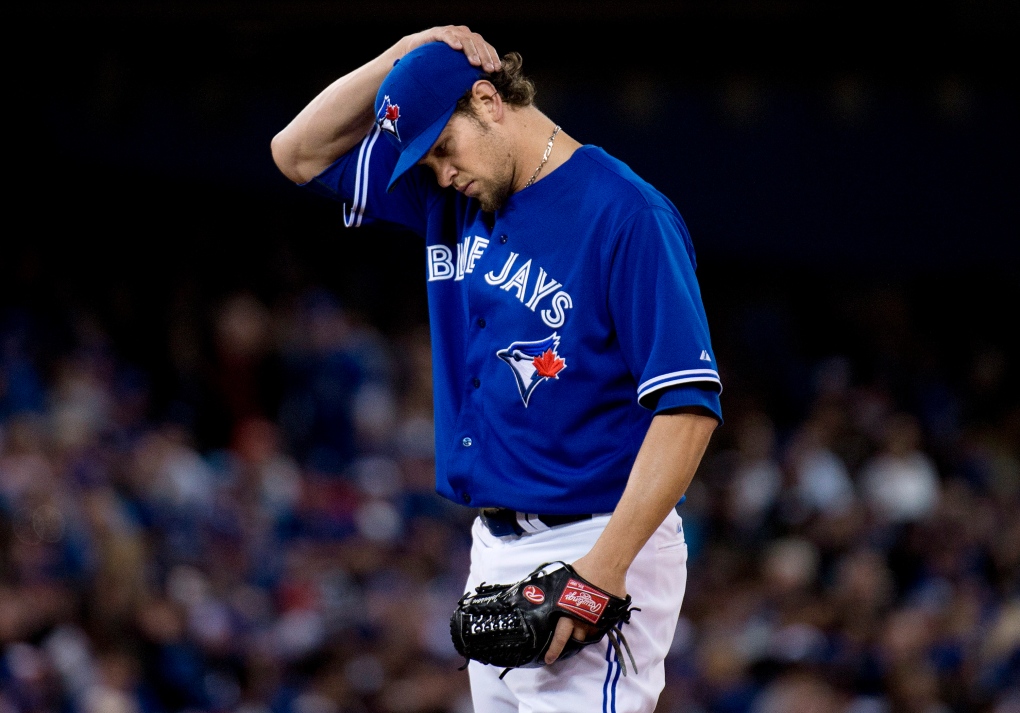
465 188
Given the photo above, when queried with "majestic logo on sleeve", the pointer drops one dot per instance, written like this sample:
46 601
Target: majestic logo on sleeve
533 363
387 117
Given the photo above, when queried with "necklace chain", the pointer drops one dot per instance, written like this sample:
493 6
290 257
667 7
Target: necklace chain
545 157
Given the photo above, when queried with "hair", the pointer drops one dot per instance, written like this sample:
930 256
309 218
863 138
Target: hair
515 89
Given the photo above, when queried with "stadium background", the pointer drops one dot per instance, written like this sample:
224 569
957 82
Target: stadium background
215 475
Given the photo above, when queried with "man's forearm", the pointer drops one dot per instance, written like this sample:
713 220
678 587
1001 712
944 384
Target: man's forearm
333 122
665 465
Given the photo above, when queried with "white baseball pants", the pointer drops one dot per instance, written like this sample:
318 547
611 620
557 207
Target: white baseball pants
590 681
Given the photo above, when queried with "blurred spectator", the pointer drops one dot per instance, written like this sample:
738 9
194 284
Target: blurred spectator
900 481
115 688
757 479
246 368
820 482
800 692
21 384
321 378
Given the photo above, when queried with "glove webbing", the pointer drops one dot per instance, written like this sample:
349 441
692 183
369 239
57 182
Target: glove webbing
509 623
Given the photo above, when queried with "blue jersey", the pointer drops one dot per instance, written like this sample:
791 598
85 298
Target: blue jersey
559 324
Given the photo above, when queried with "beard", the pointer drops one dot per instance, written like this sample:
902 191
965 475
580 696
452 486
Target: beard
495 195
497 188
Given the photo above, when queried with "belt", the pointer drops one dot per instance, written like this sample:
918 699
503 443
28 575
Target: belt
503 522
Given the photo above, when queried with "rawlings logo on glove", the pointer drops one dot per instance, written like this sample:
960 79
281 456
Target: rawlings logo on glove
512 625
584 600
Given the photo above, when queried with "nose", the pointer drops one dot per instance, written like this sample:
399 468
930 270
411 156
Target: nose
445 173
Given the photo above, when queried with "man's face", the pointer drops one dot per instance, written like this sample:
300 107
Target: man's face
474 158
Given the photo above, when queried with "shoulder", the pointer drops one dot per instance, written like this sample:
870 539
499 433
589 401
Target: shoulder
621 185
634 211
619 200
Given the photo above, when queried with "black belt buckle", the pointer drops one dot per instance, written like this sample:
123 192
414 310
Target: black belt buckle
500 522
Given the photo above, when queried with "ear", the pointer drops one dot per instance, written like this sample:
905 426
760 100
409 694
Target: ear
487 99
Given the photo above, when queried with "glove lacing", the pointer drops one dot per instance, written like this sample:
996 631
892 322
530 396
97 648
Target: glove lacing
616 637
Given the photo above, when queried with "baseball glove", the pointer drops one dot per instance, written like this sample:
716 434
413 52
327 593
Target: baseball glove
512 625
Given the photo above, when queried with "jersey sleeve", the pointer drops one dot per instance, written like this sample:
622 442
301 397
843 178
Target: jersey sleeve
655 302
687 395
359 179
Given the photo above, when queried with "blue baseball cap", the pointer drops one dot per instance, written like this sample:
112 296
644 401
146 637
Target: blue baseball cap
418 97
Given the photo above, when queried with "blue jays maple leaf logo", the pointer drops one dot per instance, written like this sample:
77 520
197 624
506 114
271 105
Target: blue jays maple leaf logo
387 117
533 362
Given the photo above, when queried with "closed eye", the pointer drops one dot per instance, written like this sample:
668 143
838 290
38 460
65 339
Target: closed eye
431 157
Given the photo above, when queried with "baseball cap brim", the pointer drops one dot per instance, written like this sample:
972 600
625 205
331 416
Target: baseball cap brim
416 150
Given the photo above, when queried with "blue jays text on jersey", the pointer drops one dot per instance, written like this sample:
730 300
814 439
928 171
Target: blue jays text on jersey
559 324
441 267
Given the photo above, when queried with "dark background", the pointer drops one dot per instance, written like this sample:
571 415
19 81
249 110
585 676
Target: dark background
809 146
848 172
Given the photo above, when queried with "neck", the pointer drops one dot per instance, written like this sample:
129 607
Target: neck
533 134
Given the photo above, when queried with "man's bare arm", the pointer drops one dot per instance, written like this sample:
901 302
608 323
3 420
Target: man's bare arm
663 470
340 116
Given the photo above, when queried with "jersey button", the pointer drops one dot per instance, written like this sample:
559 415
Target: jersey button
502 240
466 498
466 442
481 323
476 383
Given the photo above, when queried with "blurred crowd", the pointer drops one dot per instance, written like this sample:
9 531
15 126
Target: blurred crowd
267 539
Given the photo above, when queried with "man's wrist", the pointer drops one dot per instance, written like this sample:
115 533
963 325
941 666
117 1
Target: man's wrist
607 574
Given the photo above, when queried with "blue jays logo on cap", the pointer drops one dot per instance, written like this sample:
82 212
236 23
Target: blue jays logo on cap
387 117
533 363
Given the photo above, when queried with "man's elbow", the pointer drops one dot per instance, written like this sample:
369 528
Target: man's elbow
285 156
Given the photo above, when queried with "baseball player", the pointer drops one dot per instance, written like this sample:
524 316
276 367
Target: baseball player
576 388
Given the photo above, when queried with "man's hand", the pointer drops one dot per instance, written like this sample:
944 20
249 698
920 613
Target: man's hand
566 627
479 52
